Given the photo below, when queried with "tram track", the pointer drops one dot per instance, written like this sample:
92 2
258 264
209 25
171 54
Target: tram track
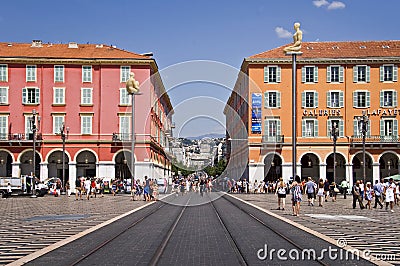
176 224
276 232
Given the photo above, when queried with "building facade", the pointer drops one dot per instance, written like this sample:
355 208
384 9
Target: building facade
80 87
337 83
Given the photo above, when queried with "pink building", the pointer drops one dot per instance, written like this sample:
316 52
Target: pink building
81 86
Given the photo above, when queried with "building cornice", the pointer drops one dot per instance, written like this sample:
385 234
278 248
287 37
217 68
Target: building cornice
372 60
86 61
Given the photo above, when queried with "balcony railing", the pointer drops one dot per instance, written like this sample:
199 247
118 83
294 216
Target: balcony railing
273 139
19 136
374 139
121 137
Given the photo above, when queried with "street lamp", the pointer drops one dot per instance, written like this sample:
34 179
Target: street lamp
363 128
334 133
389 164
132 88
34 129
63 138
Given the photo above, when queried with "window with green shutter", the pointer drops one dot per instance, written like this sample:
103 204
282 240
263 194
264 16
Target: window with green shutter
272 74
265 74
309 74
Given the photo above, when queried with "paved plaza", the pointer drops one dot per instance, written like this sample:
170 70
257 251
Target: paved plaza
375 229
30 224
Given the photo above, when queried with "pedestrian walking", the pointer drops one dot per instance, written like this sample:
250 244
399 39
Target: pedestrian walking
310 188
378 189
296 195
333 190
369 194
390 190
326 189
78 188
344 186
281 192
357 195
320 192
146 189
68 188
362 188
87 187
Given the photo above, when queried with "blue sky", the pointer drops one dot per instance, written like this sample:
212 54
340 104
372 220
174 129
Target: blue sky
178 31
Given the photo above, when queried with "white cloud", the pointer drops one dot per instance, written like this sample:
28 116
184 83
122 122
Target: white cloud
319 3
282 33
336 5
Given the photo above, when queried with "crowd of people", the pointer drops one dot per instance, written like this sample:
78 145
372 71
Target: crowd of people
192 183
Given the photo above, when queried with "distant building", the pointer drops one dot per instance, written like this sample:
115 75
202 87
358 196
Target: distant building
83 87
337 83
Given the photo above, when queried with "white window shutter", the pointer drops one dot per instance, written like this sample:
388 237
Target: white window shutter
368 99
369 129
315 128
37 95
303 128
278 99
341 128
328 128
381 73
328 99
395 128
382 127
266 99
24 92
355 128
341 99
355 74
316 74
265 74
381 99
395 73
368 76
394 98
341 74
303 99
278 74
315 99
303 74
355 99
328 74
278 127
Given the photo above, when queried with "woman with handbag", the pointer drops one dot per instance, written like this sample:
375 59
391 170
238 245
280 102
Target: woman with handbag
281 192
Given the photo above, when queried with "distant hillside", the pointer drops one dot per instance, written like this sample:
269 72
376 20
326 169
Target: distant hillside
210 135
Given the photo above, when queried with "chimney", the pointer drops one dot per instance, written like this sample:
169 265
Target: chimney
37 43
72 45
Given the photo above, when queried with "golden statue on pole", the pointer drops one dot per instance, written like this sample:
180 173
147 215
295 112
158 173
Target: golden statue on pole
297 38
132 85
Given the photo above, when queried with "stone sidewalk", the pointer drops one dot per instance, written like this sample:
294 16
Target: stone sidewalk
375 230
30 224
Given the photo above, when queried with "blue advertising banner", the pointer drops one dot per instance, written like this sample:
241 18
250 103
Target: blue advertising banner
256 100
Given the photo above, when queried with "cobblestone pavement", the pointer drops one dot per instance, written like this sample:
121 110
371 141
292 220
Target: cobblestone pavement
375 230
30 224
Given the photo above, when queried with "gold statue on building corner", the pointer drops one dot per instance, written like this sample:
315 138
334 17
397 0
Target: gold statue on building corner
132 85
297 38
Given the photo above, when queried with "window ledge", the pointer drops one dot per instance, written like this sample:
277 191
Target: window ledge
30 103
86 104
58 104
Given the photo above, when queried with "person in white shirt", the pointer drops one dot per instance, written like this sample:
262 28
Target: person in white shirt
390 191
87 187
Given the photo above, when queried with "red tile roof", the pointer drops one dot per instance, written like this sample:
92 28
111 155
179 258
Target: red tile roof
350 49
61 51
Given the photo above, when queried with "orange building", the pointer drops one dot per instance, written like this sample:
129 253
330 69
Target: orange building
337 82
